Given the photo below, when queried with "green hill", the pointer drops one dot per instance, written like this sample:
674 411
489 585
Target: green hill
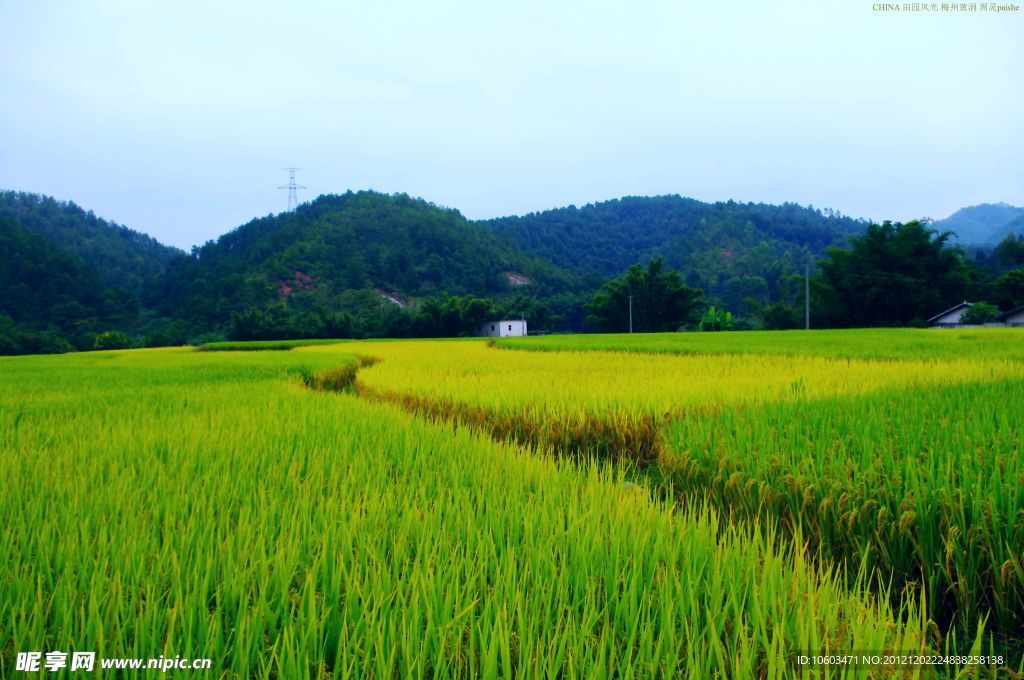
389 248
1014 227
47 294
731 250
986 223
42 285
372 264
120 257
67 276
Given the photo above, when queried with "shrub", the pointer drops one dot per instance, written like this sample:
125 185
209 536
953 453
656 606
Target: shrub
716 320
112 340
979 313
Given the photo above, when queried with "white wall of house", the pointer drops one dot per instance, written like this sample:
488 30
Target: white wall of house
503 329
1015 319
950 318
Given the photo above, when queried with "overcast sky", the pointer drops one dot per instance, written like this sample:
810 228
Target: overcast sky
177 118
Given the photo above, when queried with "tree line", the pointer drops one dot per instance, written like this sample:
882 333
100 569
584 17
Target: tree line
892 275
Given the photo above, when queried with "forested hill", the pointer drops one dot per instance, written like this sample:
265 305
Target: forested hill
42 286
118 256
324 251
732 250
373 264
988 223
67 276
1012 229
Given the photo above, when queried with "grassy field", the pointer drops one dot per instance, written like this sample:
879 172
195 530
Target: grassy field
449 509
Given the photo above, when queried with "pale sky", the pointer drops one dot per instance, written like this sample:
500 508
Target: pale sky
177 118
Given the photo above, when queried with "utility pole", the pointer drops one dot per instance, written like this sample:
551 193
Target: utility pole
807 298
630 313
292 187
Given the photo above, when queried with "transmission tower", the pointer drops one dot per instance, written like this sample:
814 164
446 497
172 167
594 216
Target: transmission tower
293 189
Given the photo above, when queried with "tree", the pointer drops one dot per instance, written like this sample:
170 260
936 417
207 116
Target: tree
979 313
716 320
779 316
1008 289
889 276
660 301
451 316
273 322
112 340
1010 252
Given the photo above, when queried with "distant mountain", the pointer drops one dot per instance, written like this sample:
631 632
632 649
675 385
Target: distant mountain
1014 227
396 247
731 250
987 223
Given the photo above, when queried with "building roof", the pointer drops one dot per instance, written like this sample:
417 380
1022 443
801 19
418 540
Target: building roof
1006 315
963 304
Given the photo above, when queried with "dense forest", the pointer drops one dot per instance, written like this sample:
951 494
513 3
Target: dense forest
359 265
343 250
67 276
120 257
366 264
732 251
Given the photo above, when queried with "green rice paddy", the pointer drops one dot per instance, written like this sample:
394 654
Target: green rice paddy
408 509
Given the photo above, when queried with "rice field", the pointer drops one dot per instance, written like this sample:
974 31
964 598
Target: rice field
261 345
451 509
856 343
911 465
927 481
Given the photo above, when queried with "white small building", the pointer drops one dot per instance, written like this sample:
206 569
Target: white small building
950 317
503 328
1014 317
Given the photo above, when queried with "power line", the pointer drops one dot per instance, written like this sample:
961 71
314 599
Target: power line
292 187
